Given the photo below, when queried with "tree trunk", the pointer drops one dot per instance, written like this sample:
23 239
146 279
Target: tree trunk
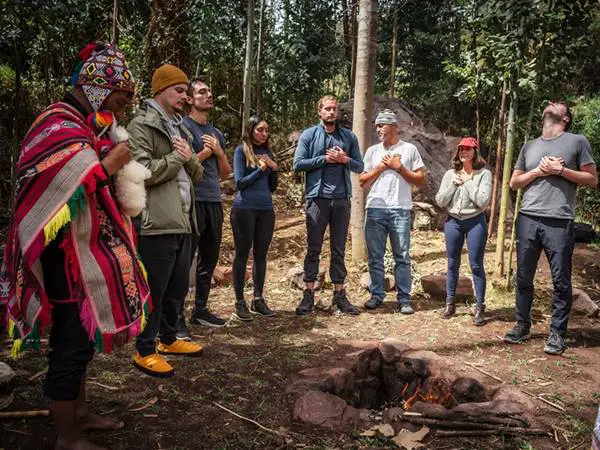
115 22
259 54
248 64
363 114
504 199
394 54
499 152
347 27
354 37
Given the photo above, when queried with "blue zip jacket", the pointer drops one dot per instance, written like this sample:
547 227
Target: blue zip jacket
310 158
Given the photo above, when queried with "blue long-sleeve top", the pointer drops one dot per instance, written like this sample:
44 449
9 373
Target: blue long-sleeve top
310 158
254 186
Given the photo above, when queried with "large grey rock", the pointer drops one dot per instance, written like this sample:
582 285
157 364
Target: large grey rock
435 285
296 278
583 304
326 410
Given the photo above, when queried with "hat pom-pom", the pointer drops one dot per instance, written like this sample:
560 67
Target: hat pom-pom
86 52
100 119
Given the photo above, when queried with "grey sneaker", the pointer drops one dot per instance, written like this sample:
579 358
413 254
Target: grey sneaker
182 333
555 345
373 303
519 334
405 308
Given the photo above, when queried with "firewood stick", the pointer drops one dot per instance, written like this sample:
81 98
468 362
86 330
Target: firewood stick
500 380
522 431
548 402
457 423
21 414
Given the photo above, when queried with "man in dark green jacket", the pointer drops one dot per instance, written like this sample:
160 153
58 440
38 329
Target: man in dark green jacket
160 142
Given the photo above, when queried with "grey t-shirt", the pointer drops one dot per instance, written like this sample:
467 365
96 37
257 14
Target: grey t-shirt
553 195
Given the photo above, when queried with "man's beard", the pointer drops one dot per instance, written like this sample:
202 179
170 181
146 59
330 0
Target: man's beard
550 118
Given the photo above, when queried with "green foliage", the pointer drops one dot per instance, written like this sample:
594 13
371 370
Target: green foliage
586 121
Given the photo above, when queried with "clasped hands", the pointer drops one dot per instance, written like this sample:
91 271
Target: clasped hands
336 155
550 165
460 178
390 162
264 162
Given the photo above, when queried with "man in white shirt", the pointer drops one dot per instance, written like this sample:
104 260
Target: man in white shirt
391 168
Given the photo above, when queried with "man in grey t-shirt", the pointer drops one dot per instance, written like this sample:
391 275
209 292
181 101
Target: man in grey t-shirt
549 169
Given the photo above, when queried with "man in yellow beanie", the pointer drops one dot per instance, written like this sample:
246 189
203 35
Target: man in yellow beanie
160 142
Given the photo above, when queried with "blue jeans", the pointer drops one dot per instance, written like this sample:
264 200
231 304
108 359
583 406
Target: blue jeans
380 223
455 231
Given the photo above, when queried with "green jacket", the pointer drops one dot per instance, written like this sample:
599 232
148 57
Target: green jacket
151 146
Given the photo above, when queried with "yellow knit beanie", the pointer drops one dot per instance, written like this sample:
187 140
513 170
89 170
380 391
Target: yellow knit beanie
166 76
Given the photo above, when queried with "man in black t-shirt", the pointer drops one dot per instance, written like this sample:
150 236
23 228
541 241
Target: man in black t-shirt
208 144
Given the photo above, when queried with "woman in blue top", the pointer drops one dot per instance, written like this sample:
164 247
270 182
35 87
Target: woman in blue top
252 216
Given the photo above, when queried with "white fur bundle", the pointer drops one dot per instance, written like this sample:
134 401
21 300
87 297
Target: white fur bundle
129 180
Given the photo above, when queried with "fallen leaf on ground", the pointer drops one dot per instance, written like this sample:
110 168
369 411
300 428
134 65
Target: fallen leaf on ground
384 428
409 440
147 405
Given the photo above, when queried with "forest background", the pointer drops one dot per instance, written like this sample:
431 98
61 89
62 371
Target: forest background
446 60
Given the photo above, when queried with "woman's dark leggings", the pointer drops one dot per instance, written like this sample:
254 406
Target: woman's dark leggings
455 232
251 228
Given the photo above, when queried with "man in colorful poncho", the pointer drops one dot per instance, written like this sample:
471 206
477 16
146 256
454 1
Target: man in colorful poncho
70 256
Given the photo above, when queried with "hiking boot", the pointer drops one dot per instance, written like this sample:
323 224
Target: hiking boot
182 333
241 311
179 348
259 306
373 303
405 308
450 310
307 303
206 318
479 317
340 299
555 345
519 334
153 365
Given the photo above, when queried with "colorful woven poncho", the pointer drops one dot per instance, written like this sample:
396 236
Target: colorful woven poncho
61 185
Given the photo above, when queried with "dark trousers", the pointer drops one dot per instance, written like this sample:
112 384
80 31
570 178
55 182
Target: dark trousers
209 218
320 213
70 353
167 261
556 238
251 228
475 232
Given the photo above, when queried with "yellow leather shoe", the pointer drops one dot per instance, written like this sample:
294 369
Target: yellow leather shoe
153 365
179 347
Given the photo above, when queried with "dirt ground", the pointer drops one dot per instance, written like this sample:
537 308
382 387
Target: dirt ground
247 366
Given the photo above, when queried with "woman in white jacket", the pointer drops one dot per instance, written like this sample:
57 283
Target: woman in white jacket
465 192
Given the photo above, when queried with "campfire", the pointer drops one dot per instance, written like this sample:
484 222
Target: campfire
409 388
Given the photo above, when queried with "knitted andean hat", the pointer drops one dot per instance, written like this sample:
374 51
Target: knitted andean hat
166 76
103 70
386 117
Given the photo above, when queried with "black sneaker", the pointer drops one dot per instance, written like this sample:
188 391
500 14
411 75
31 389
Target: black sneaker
373 303
241 311
555 345
343 304
307 304
519 334
207 318
182 333
259 306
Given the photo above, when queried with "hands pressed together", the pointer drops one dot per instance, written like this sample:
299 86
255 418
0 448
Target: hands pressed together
264 162
550 165
212 143
182 147
461 177
336 155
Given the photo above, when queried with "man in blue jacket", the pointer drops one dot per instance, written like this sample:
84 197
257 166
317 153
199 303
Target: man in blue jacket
327 153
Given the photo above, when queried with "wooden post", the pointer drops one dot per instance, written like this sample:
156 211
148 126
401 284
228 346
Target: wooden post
499 152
